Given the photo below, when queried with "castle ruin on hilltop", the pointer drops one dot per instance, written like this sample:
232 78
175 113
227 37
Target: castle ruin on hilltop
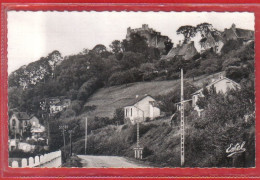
154 38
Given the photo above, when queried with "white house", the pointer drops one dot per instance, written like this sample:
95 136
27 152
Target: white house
141 108
19 121
221 85
59 105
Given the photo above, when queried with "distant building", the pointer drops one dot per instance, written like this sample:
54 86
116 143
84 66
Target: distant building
141 108
19 121
154 38
237 33
57 105
221 85
37 131
214 41
186 104
185 51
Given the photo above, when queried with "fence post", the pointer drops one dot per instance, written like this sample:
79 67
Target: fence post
15 164
41 159
36 161
24 162
31 162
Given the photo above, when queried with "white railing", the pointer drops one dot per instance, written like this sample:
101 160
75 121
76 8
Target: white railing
52 159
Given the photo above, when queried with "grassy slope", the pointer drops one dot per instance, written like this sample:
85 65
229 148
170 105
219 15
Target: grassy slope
107 100
161 139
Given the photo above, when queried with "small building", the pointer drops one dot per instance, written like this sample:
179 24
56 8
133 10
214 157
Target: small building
19 121
37 131
221 85
236 33
213 40
34 121
185 51
141 108
59 105
186 104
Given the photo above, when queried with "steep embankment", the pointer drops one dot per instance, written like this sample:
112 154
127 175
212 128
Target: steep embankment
159 140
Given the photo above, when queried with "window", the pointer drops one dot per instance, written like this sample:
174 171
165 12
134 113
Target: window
126 112
131 112
13 122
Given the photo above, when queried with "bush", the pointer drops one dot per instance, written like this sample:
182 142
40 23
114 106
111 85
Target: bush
237 73
88 88
119 116
147 152
76 106
147 119
89 108
68 113
231 45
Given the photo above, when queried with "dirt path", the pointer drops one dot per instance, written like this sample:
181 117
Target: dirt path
108 161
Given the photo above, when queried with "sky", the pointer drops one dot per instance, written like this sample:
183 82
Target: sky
32 35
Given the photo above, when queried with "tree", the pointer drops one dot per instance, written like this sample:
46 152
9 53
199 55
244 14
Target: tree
204 29
137 43
223 122
116 46
119 116
27 132
131 59
168 46
99 48
188 32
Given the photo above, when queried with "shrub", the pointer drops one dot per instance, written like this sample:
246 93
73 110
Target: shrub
89 108
88 88
147 152
119 116
147 119
231 45
68 113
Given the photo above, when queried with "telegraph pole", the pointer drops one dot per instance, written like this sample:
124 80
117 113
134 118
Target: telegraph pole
86 135
137 134
182 121
138 150
70 131
63 128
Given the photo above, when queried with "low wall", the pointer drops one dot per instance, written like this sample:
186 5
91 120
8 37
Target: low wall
52 159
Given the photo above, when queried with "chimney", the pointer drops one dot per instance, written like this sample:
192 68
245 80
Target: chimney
233 26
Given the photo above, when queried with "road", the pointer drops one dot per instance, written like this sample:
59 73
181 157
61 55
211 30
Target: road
108 161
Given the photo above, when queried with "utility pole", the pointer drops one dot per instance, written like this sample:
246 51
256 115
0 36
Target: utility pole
138 150
46 114
137 134
70 131
86 135
63 128
182 121
15 138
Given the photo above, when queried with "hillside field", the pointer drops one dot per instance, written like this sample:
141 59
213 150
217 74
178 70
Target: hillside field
107 100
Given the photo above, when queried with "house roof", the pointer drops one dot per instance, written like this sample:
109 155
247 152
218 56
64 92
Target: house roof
244 33
133 101
186 50
213 36
22 115
188 100
216 81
